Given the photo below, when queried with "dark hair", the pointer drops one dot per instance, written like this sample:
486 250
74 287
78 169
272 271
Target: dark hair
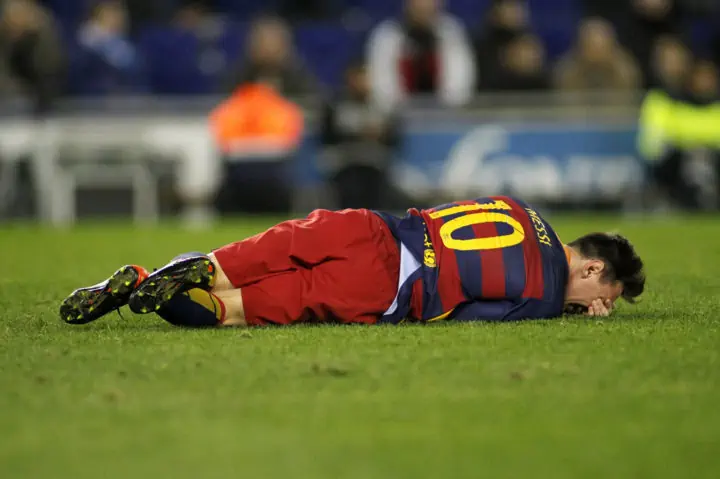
622 263
95 8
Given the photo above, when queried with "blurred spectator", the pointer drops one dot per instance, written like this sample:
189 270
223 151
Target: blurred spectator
670 63
272 60
359 143
680 137
649 20
196 16
256 120
427 52
640 23
208 28
31 57
506 21
703 84
522 66
258 128
259 133
107 61
597 61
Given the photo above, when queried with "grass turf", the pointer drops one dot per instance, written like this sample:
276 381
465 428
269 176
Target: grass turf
634 396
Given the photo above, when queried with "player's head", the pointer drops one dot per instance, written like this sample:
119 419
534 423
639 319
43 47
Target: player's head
603 266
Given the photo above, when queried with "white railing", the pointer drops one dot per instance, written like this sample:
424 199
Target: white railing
185 140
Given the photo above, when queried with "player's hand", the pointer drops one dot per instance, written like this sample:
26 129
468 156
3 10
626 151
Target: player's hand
600 308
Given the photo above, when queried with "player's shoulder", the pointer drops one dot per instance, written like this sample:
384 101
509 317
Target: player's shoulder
546 249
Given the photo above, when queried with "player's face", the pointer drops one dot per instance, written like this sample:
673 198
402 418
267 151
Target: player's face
587 284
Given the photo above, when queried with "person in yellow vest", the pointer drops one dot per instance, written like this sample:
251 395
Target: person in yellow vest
679 136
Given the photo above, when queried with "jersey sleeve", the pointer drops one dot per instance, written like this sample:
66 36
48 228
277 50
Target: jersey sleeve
504 310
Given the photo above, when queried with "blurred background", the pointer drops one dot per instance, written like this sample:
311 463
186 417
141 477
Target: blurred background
195 109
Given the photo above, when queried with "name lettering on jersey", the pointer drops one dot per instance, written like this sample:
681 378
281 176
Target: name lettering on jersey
540 229
429 254
495 205
492 205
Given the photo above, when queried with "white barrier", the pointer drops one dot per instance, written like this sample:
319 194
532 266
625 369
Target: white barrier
186 139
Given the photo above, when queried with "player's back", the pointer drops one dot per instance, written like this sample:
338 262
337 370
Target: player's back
491 258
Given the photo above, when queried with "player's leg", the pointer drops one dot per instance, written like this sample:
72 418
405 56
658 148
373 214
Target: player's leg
332 266
90 303
220 281
199 308
192 290
234 308
189 291
348 291
339 267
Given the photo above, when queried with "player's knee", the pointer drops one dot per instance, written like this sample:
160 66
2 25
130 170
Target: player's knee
234 309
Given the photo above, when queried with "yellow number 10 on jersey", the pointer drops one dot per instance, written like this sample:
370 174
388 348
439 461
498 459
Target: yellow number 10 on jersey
487 216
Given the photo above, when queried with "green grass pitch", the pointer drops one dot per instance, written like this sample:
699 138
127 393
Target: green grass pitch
635 396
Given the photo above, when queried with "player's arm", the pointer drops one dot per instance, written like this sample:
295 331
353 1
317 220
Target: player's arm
492 310
503 310
515 310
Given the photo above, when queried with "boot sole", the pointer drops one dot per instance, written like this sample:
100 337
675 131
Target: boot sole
89 304
161 286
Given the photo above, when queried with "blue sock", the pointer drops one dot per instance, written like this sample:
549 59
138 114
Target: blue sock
196 309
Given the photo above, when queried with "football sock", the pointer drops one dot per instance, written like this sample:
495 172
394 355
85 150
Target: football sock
196 308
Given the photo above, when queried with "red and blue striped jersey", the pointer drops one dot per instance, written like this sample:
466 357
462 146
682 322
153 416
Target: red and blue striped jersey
492 258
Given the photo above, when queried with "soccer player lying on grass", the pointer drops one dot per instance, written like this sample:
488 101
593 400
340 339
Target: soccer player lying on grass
489 259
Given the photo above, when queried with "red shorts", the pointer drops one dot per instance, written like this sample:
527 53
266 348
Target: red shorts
333 266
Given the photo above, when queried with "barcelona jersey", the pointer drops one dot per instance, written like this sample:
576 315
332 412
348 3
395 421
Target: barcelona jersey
492 258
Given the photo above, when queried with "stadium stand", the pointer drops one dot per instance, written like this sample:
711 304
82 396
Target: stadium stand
531 138
326 45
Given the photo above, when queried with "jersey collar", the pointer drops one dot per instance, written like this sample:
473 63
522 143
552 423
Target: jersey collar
568 253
